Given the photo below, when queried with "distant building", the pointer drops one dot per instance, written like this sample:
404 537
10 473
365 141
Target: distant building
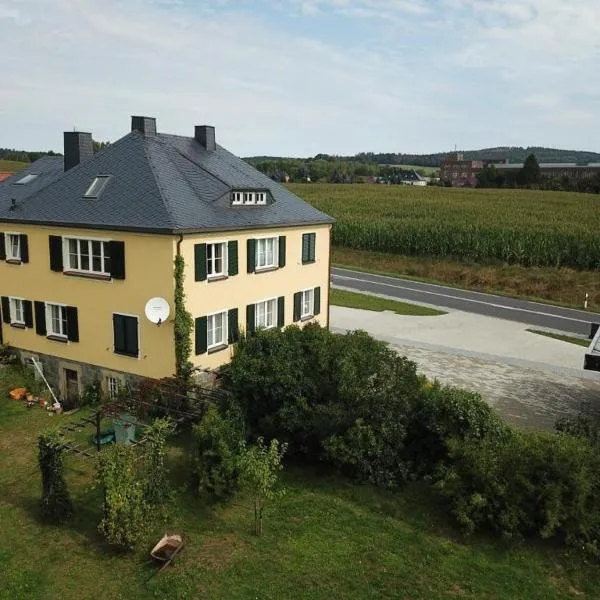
4 176
460 172
573 171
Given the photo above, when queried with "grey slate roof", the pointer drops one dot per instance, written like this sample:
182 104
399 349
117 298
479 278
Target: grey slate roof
160 183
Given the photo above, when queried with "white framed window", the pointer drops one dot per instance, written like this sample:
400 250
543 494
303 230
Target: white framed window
216 329
56 319
266 252
249 198
17 314
265 314
12 246
216 259
112 387
307 303
96 187
87 255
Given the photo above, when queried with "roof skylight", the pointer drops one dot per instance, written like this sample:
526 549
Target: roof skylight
27 179
96 186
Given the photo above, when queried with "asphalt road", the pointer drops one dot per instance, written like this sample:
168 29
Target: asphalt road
535 314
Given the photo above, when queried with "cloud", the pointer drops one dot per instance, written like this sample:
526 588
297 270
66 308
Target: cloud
300 77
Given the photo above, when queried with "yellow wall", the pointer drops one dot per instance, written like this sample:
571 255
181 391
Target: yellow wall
149 273
204 297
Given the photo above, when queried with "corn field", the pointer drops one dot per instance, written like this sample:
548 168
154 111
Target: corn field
524 227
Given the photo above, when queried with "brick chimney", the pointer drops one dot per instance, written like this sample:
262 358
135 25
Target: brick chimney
205 134
145 125
78 148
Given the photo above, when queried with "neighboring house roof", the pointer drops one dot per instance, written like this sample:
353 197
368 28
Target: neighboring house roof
158 183
4 176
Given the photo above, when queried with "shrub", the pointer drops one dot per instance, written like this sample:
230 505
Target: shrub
220 443
125 511
526 484
444 413
56 504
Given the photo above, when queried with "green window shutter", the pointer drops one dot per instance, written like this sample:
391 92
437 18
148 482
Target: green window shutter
119 333
28 313
132 346
233 326
2 247
117 259
317 301
56 254
251 247
199 262
72 324
24 248
5 310
280 311
297 306
313 242
232 258
250 318
304 248
281 251
40 317
201 335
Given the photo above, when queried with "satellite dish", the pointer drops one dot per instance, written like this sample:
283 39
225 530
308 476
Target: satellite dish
157 310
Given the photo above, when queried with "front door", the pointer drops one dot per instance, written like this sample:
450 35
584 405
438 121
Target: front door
71 388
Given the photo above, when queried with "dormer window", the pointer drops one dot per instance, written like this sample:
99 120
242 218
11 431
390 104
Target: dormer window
96 186
27 179
248 198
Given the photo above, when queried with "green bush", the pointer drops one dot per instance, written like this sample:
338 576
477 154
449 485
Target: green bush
220 443
56 504
303 386
526 484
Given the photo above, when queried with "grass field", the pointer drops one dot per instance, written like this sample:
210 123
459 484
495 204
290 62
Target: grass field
326 538
369 302
562 338
10 166
522 227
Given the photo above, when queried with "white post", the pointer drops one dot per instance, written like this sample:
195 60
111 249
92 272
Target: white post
585 304
39 370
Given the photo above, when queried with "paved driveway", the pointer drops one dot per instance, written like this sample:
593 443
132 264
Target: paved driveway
530 379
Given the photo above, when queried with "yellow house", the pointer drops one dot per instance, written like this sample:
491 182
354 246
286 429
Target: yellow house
88 244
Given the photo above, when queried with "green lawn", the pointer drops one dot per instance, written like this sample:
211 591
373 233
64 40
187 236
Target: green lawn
369 302
10 166
326 538
564 338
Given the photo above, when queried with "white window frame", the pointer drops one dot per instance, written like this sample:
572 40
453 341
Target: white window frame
8 235
264 303
12 302
101 181
80 239
248 198
311 302
49 322
275 262
225 261
210 318
111 391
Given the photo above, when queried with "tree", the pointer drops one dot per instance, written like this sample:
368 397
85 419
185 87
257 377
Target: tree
259 472
56 504
530 173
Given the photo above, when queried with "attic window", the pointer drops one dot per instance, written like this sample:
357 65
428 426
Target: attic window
96 187
246 197
27 179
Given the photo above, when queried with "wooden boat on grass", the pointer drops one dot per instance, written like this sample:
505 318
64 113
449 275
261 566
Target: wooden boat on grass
167 549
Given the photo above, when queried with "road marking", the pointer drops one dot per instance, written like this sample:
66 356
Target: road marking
445 287
492 304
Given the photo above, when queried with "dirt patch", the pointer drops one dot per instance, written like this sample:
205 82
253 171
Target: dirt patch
219 552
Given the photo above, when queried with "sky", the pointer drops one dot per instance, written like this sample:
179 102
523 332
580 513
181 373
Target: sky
301 77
